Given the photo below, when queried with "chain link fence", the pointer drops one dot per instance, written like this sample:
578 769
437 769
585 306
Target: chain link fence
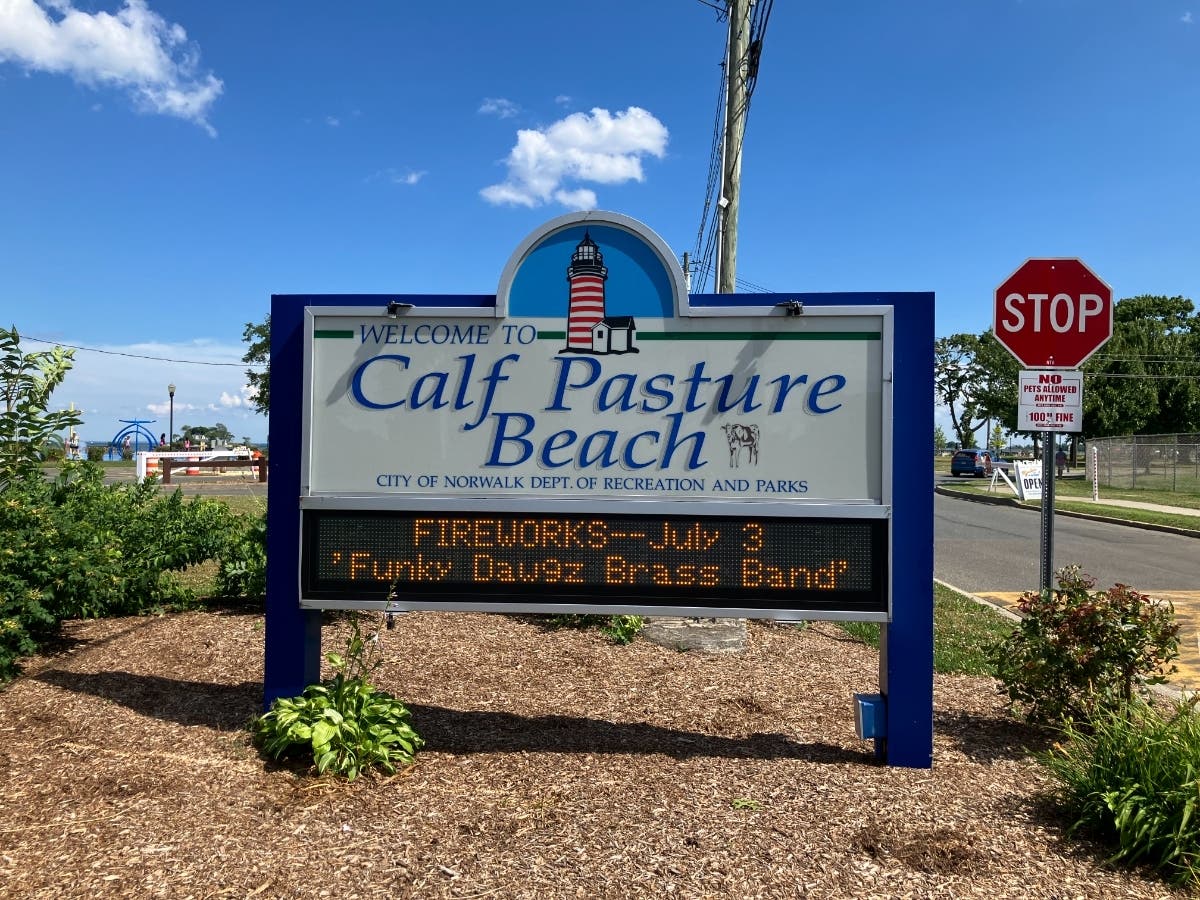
1160 462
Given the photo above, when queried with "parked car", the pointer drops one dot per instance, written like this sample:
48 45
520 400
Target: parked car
976 462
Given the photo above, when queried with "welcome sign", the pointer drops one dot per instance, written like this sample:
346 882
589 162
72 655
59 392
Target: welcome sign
593 439
614 396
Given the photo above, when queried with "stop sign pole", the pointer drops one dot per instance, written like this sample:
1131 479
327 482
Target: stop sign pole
1052 314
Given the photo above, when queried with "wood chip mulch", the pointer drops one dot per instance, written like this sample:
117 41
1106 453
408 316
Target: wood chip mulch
557 765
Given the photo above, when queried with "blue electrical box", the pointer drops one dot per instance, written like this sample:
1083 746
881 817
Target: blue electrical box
870 716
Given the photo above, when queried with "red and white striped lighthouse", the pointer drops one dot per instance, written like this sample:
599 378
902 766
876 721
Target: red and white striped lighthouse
586 275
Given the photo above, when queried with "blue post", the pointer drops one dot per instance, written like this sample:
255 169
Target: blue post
906 644
293 635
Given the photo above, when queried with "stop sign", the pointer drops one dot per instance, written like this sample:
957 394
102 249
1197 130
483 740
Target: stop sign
1053 313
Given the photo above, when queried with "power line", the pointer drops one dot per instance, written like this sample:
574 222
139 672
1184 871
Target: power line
1141 376
188 362
721 158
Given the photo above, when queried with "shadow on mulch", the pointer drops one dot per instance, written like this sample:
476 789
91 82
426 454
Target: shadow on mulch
221 706
464 732
987 739
1044 810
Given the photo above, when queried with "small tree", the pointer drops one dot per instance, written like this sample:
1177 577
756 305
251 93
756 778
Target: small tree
26 382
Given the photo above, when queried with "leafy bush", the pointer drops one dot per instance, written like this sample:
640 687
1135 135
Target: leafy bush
344 724
1077 651
1132 779
77 548
95 452
618 629
243 562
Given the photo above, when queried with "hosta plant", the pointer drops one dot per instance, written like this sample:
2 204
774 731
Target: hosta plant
344 724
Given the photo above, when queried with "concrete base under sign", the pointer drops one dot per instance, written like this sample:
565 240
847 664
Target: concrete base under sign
706 635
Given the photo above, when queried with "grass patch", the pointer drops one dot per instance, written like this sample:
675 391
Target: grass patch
1066 492
1069 487
962 629
1145 516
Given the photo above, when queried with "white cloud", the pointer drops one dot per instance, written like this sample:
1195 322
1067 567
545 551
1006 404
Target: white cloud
407 177
1186 18
135 50
333 121
597 147
498 107
241 400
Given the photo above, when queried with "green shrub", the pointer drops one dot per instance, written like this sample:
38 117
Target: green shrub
1076 651
344 724
95 452
78 548
618 629
1132 779
243 562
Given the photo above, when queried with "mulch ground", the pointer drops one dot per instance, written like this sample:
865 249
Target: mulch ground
557 765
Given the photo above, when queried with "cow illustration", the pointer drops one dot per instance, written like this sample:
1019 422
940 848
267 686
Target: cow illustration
741 437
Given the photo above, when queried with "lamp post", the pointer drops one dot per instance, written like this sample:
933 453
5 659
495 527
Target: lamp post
171 419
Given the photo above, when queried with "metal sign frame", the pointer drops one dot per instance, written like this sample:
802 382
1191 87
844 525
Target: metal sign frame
293 642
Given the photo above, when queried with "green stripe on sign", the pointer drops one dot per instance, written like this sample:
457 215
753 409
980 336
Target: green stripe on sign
759 336
334 333
552 336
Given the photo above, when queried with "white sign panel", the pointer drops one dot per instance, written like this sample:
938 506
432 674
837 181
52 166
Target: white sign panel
764 407
1029 479
1050 400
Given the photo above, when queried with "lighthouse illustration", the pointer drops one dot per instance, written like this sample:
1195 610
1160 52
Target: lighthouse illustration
589 330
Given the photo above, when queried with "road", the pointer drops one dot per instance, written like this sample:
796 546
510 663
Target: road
983 548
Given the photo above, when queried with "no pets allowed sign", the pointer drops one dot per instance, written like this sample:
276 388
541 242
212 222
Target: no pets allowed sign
1050 401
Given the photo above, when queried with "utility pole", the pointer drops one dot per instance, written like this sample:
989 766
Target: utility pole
737 67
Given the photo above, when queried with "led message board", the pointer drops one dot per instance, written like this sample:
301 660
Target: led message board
475 560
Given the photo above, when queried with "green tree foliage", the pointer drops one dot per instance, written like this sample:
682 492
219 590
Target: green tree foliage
259 354
1146 379
958 379
207 433
939 438
997 394
27 428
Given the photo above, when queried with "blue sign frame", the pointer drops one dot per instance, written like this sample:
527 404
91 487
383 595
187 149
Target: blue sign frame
905 738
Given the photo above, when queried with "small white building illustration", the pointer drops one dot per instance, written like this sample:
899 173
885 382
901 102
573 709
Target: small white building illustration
613 334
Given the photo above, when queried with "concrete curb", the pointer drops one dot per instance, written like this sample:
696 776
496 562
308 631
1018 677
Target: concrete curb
982 601
1017 504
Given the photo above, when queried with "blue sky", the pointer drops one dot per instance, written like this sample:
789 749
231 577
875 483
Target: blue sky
167 166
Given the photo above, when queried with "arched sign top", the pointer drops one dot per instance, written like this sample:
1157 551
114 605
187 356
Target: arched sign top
638 268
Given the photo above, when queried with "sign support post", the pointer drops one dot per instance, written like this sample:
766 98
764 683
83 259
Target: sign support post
1047 581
